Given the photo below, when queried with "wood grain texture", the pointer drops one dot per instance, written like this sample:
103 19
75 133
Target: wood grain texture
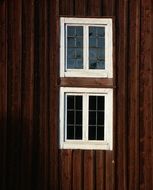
133 95
3 92
53 124
121 112
14 45
146 96
30 157
86 82
27 92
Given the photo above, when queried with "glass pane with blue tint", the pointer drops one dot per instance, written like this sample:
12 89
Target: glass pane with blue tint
75 47
71 31
101 31
71 53
100 65
78 64
93 64
71 42
70 63
101 53
79 53
92 31
101 43
92 53
92 42
96 47
79 42
79 31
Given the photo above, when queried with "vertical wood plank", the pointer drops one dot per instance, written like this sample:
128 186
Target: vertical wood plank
66 169
66 7
146 96
89 183
80 7
53 45
14 15
93 8
121 114
100 170
77 169
109 171
108 8
44 83
133 95
27 91
3 92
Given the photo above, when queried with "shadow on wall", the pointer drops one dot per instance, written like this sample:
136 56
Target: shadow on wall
19 146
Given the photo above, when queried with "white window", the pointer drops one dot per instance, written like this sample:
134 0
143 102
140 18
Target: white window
86 118
86 47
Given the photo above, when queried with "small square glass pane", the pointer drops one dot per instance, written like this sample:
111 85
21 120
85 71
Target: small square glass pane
100 118
70 132
70 117
100 133
71 42
78 132
101 31
71 31
101 103
71 63
78 118
92 118
92 132
78 102
70 102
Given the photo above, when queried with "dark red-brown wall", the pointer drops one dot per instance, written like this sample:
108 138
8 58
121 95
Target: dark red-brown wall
29 84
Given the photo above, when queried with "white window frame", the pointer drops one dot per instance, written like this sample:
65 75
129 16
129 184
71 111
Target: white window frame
105 144
86 22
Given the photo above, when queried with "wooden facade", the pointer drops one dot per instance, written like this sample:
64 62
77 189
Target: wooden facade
29 85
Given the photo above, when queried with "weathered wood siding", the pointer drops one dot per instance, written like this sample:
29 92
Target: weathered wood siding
29 67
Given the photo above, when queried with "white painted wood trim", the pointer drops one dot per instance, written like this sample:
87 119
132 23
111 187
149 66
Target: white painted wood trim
86 22
107 144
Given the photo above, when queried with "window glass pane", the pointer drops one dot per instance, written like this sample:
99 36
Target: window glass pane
100 133
92 132
96 47
70 117
92 102
78 132
74 117
78 117
96 117
70 132
100 118
70 102
70 31
74 47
